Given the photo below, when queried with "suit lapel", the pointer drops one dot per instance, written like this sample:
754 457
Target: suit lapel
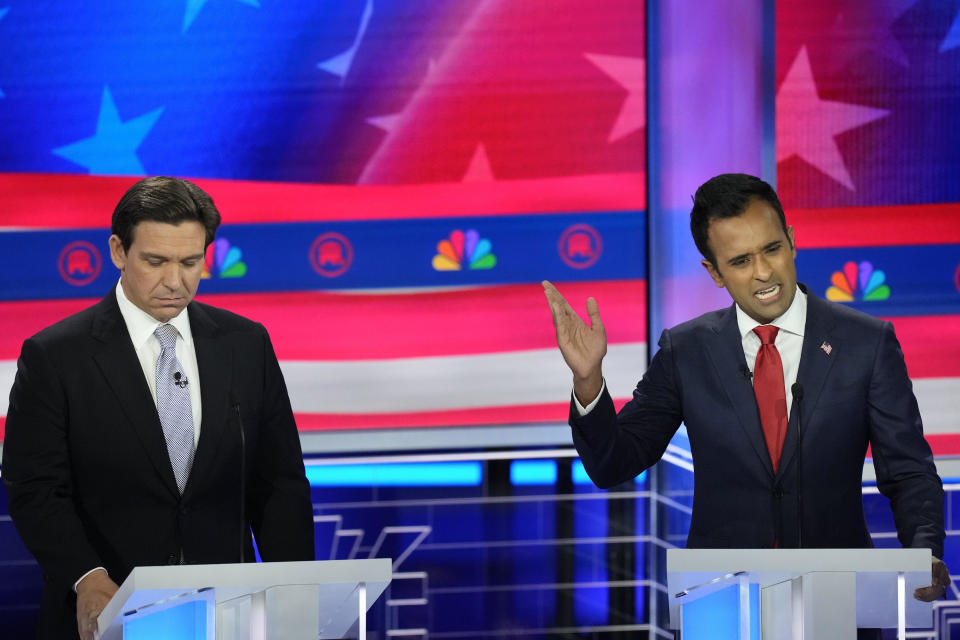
725 349
121 369
215 364
815 364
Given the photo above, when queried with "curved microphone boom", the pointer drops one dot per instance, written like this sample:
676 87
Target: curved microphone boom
243 479
797 391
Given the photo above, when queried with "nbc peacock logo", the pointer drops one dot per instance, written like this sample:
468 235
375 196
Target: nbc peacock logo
858 281
223 261
464 251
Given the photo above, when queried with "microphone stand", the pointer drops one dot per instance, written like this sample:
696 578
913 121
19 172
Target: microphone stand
797 390
243 485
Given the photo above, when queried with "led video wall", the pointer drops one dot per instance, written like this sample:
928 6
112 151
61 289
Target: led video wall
395 177
868 154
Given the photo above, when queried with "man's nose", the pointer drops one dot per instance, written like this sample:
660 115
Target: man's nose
170 276
761 268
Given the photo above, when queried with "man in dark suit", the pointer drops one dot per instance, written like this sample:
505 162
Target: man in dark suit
841 371
127 423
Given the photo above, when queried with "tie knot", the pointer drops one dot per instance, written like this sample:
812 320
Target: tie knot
767 333
167 335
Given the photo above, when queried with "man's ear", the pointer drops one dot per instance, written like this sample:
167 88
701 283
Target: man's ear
117 254
793 241
712 270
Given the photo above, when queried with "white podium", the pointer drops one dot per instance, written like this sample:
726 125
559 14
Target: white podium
801 594
265 601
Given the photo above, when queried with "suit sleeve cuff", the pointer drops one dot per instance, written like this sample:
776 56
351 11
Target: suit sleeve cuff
80 579
584 410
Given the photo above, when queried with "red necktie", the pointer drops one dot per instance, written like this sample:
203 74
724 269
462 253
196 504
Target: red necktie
770 392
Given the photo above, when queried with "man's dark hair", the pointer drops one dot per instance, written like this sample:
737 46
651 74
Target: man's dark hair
728 196
163 199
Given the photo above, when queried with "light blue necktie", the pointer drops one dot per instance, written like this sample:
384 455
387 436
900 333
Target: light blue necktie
173 405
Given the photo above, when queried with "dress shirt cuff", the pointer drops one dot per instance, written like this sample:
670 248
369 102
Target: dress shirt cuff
84 576
584 410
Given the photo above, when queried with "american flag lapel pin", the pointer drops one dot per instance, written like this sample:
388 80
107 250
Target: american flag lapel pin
826 347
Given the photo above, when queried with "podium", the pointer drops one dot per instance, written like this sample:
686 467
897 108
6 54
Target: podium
255 601
807 594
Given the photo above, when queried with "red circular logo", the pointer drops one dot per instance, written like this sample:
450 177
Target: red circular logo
580 246
331 254
79 263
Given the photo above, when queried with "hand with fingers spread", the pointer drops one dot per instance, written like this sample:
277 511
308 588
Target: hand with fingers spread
582 346
940 581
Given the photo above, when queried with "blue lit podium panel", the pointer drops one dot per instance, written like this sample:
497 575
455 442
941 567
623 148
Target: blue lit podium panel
796 594
266 601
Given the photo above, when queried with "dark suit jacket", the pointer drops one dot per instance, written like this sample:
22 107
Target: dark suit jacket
857 394
87 471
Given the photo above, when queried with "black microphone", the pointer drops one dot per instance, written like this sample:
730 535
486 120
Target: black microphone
745 372
178 381
243 480
797 391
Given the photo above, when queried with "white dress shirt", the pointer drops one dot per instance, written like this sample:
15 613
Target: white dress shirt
789 343
140 326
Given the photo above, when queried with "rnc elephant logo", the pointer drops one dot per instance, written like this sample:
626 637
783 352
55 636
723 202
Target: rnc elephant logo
79 263
580 246
331 255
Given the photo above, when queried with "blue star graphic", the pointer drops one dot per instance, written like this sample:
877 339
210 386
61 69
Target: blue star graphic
339 65
952 41
194 7
112 150
3 12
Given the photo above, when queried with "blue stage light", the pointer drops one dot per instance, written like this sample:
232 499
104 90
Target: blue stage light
397 474
533 472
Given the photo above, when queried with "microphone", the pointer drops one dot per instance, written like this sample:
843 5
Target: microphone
180 380
797 390
243 479
745 372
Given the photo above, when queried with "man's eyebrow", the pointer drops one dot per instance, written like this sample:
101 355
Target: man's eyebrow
772 245
737 258
146 255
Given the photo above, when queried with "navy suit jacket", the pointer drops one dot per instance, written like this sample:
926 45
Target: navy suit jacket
855 395
87 471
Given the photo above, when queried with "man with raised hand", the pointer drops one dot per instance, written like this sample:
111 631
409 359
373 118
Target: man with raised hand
735 378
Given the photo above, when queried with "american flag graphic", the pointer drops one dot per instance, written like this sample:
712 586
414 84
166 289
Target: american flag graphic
345 142
868 154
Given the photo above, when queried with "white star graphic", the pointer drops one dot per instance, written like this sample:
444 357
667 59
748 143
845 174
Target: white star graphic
479 169
952 41
866 27
629 73
806 125
390 121
112 150
339 65
194 7
387 122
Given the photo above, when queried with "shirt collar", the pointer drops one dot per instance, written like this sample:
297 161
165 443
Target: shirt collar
141 325
792 320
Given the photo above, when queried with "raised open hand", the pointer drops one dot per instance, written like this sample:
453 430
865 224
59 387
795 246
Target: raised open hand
582 346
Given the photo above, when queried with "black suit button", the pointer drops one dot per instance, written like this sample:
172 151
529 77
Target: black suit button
777 493
172 559
183 511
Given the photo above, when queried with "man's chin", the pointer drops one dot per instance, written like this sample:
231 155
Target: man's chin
166 313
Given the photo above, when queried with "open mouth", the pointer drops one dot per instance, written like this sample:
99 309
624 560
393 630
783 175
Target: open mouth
769 293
